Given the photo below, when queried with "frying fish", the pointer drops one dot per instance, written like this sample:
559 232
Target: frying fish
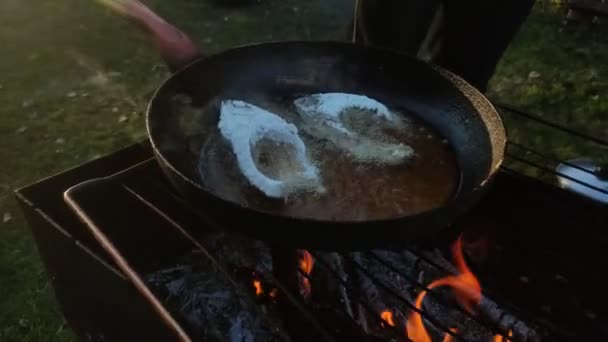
324 115
247 128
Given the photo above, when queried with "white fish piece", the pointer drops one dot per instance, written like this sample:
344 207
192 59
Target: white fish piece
322 113
244 125
328 107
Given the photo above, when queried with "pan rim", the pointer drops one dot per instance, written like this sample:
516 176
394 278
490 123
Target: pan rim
498 147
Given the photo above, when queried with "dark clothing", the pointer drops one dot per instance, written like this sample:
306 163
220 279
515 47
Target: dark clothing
470 40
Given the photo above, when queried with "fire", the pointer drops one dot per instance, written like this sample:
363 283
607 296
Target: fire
468 295
448 337
258 287
387 316
500 338
466 288
306 264
415 329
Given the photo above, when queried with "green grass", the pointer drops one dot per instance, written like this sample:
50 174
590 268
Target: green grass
75 80
559 72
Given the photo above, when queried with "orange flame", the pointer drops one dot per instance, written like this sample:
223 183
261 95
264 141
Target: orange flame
387 316
306 265
500 338
448 337
415 329
468 295
306 262
258 287
466 288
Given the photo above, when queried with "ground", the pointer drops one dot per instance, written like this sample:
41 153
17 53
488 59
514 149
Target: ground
74 81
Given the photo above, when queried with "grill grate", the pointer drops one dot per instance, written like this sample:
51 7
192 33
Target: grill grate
516 152
300 307
168 207
399 334
520 153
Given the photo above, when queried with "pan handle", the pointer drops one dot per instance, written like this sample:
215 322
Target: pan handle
173 45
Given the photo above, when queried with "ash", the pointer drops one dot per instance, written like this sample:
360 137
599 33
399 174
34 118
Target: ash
208 300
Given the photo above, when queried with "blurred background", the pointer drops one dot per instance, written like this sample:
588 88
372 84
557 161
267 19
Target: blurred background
75 80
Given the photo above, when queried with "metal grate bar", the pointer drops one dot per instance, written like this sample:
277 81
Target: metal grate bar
550 158
367 307
546 157
509 170
399 297
200 247
364 303
509 308
414 281
548 123
549 170
490 326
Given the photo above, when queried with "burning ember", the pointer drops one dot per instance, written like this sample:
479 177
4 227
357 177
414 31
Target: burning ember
500 338
269 295
467 291
448 337
387 317
258 287
465 285
306 264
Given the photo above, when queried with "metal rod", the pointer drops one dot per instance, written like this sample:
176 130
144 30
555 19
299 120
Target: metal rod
548 170
324 334
364 303
493 326
390 291
553 125
550 158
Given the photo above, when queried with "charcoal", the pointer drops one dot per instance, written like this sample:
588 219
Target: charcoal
490 310
337 265
240 251
206 297
386 280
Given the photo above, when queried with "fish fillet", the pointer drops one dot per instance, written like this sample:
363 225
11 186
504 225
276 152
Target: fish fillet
323 112
245 125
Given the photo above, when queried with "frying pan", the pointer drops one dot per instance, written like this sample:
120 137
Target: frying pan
456 110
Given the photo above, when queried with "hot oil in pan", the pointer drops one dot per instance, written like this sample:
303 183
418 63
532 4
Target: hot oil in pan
354 190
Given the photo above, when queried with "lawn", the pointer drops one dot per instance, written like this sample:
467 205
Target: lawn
74 81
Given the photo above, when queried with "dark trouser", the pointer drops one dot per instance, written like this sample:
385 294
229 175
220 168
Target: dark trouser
471 38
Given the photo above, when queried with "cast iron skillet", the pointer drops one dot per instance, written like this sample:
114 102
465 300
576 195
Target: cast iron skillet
455 109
